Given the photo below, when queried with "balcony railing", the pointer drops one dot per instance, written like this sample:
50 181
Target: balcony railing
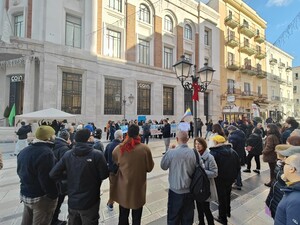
276 98
252 71
233 65
231 21
247 48
259 38
232 41
281 65
247 30
273 61
288 69
261 74
260 54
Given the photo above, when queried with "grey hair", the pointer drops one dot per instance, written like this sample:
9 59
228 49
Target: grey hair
118 134
295 162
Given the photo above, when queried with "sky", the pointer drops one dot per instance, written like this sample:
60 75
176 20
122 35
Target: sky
279 14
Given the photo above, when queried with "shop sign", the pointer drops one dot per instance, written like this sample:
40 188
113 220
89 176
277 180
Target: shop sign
16 78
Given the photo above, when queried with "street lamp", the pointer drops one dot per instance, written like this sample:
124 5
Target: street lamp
130 98
205 74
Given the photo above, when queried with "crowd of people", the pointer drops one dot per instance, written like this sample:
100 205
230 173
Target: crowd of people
64 160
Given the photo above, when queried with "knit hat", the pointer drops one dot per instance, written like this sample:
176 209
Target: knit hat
82 135
290 151
281 148
44 133
219 139
98 133
89 127
64 134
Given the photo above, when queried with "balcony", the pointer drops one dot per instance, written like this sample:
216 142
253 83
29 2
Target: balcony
259 38
232 42
247 30
288 69
273 61
233 65
282 81
281 65
260 55
276 98
231 22
248 69
261 74
247 49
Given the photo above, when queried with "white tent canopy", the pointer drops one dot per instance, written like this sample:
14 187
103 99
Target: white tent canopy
46 114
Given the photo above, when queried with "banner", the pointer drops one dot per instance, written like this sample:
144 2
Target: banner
12 115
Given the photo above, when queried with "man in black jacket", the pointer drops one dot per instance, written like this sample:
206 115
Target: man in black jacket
38 191
86 169
22 137
166 133
228 166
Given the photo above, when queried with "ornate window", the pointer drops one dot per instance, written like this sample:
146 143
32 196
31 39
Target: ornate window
144 99
19 26
73 31
144 14
168 24
113 40
188 32
144 52
168 98
112 96
71 93
168 58
116 5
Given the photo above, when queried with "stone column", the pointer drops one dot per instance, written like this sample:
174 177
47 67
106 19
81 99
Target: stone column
90 12
28 104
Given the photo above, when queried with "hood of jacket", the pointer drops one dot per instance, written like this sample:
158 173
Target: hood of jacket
292 187
240 134
222 149
205 155
82 148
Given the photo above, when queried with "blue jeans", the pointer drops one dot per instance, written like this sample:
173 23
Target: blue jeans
180 209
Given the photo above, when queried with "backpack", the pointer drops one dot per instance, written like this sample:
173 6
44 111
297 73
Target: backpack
200 186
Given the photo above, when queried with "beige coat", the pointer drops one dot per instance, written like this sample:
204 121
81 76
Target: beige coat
128 186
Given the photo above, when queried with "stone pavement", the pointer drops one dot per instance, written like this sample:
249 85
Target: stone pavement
247 204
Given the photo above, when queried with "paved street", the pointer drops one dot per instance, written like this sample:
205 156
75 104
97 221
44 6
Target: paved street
247 205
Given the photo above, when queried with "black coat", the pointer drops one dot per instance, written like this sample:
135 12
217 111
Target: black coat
166 130
33 166
60 148
255 141
23 131
275 195
238 139
227 160
86 168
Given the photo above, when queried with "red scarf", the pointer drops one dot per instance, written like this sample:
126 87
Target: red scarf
129 143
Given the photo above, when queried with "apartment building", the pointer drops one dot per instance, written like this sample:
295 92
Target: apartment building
243 60
280 83
296 91
106 59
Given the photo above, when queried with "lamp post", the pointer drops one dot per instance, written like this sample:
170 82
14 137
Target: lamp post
205 74
130 98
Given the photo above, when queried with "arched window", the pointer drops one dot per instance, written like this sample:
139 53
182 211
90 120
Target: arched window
168 24
188 32
144 13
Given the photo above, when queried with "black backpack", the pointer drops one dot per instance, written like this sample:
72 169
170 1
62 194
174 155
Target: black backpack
200 186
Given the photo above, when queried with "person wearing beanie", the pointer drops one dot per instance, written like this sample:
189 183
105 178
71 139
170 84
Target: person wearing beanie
22 137
228 163
62 144
135 161
275 193
38 191
97 140
86 168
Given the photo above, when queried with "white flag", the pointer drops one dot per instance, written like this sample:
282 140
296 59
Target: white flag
6 32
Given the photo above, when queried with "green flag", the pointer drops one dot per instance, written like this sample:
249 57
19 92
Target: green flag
12 115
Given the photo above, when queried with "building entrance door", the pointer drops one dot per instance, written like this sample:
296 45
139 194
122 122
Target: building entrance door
16 92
